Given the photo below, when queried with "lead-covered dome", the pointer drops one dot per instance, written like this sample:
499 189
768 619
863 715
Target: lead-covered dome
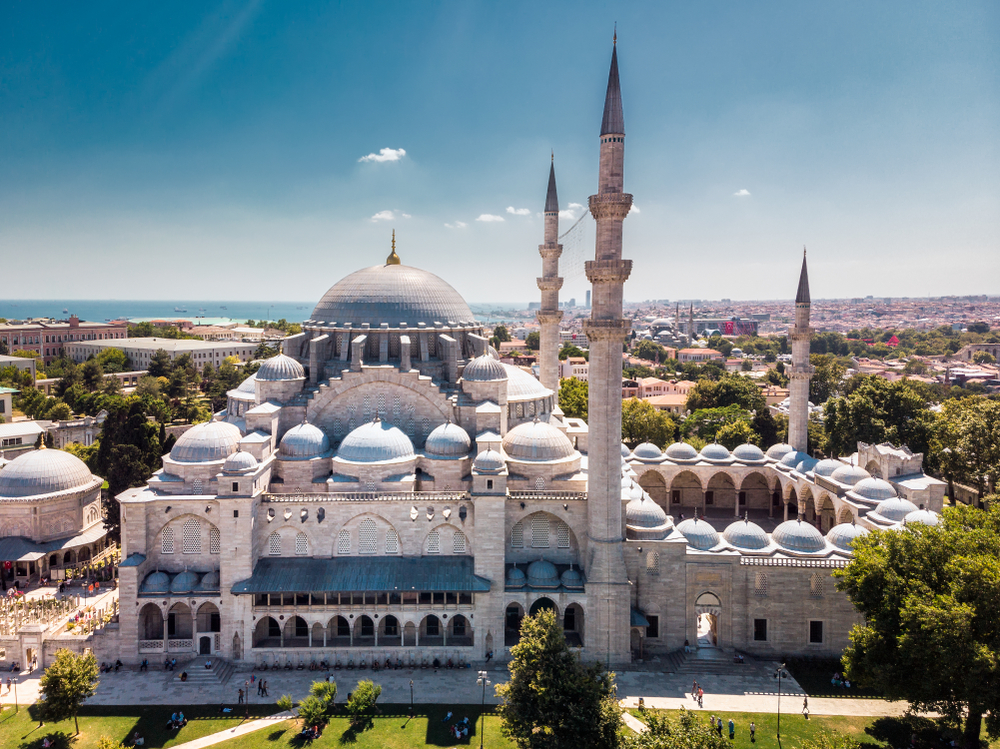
681 451
515 578
748 453
213 440
699 534
537 441
239 462
156 582
647 451
746 535
391 294
280 368
522 386
842 536
826 467
849 475
572 578
796 535
375 442
248 385
893 510
646 520
484 369
304 441
792 459
209 581
185 582
543 574
44 472
448 441
874 489
922 517
714 453
777 452
488 461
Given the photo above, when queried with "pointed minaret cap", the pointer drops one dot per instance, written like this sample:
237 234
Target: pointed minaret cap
614 120
551 198
802 295
393 258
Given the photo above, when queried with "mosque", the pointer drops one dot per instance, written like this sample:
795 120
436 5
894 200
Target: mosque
386 489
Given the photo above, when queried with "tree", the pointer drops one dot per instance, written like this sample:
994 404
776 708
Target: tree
553 700
984 357
686 731
966 442
573 397
66 685
362 703
931 631
114 360
736 433
501 333
159 364
641 422
746 366
569 350
93 374
705 423
533 340
650 351
826 379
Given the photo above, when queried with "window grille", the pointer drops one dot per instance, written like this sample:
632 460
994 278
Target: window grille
433 542
274 544
816 585
301 545
214 541
653 562
366 407
392 542
167 540
540 532
367 537
517 535
459 543
196 487
539 484
760 584
380 406
562 536
191 535
344 542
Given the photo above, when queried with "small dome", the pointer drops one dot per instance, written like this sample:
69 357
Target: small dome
714 452
156 582
894 510
647 451
543 574
777 452
572 578
792 459
280 368
515 578
448 440
842 536
537 441
922 517
625 451
44 472
239 462
209 581
748 453
797 535
484 369
522 386
249 385
681 451
644 513
185 582
213 440
806 464
375 442
699 534
490 351
304 441
874 489
488 461
826 467
746 535
849 475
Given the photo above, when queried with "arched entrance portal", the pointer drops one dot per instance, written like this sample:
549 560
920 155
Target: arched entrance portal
542 604
708 610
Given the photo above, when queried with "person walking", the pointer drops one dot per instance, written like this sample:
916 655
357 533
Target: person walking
718 726
694 690
732 730
805 707
701 697
753 732
241 698
265 687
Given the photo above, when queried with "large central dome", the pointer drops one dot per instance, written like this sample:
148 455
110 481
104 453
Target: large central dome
391 294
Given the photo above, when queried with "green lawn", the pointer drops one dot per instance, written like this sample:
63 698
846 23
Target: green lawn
21 731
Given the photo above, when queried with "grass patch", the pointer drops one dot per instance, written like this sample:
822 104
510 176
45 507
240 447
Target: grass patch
815 675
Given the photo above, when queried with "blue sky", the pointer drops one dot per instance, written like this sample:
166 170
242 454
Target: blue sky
216 149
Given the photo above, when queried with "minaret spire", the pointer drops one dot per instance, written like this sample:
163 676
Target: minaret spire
549 315
614 120
802 295
801 372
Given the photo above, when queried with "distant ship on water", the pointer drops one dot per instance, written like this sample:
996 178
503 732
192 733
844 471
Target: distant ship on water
180 309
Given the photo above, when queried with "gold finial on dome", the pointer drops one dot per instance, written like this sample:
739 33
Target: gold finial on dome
393 258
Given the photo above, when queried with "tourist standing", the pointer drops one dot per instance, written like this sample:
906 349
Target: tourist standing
805 707
732 730
753 732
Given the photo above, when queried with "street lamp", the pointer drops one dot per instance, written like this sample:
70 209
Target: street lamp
485 682
779 674
411 698
15 694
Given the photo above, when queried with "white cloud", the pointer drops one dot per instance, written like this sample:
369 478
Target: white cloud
383 216
744 193
385 154
457 225
488 218
571 211
634 209
406 215
518 211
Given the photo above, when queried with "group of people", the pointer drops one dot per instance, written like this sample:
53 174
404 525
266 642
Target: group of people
698 694
310 733
458 730
840 681
717 727
177 720
169 664
261 687
107 668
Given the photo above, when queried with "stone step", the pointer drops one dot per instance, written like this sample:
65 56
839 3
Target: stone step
220 673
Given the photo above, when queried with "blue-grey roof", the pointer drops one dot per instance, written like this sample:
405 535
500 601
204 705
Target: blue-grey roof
484 369
133 560
280 368
304 441
551 198
638 619
647 451
537 441
699 534
796 535
43 472
20 549
802 295
289 575
614 119
448 440
746 535
374 442
213 440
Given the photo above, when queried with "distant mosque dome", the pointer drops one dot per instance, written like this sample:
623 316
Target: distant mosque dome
645 520
625 451
748 453
248 385
714 453
777 452
44 472
746 535
239 462
488 461
185 582
515 578
572 578
543 574
484 369
826 467
922 517
681 452
874 489
280 368
849 475
842 536
156 582
647 451
893 510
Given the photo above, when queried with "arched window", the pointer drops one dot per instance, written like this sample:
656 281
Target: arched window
344 542
458 543
653 562
214 541
274 544
191 535
301 545
391 541
517 535
539 532
760 584
367 537
433 542
167 540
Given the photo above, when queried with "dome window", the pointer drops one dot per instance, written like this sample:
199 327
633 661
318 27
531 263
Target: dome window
301 545
653 563
392 542
562 536
517 535
433 542
760 584
539 532
458 543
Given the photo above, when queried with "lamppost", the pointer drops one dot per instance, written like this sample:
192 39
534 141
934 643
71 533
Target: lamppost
485 682
15 694
411 698
779 674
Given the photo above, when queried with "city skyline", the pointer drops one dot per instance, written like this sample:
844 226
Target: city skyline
203 143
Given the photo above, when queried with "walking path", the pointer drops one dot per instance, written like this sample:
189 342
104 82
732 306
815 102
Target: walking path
240 730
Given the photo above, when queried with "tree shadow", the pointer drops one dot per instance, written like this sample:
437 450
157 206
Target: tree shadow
59 739
276 735
901 731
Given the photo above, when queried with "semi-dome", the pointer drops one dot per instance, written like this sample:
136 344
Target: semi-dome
239 462
375 442
748 453
543 574
777 452
280 368
842 536
699 534
185 582
448 441
537 441
515 578
714 452
304 441
522 386
156 582
850 475
681 451
209 581
874 489
44 472
213 440
391 294
484 369
572 578
647 451
249 385
488 461
826 467
746 535
893 510
922 517
796 535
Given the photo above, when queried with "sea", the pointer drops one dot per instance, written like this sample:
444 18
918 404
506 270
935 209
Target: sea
202 312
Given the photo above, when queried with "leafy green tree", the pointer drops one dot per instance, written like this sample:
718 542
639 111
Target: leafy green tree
573 397
641 422
706 422
160 364
92 374
553 700
312 711
746 366
650 351
86 453
285 702
984 357
59 412
966 442
325 691
362 703
66 685
686 731
570 349
723 345
114 360
266 351
931 631
826 379
736 433
533 340
501 333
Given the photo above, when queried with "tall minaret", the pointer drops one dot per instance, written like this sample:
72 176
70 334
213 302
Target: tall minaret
607 580
802 371
691 324
549 284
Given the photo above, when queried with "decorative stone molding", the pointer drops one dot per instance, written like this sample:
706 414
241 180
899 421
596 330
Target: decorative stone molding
549 316
614 205
608 271
550 284
549 252
606 329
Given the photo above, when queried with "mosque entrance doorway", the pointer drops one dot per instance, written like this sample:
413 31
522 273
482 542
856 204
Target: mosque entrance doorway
708 610
205 646
542 604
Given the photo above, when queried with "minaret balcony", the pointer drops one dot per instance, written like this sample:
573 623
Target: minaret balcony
615 329
549 251
550 284
608 271
614 205
546 317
